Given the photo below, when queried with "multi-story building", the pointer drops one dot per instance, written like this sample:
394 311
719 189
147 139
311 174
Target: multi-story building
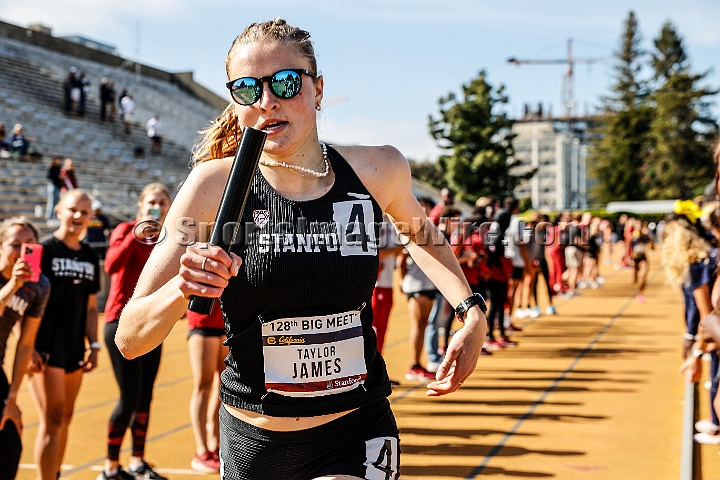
558 149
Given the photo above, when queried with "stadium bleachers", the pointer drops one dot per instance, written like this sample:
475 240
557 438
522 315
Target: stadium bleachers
105 161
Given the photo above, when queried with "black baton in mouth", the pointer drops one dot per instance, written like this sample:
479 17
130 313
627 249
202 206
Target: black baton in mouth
233 200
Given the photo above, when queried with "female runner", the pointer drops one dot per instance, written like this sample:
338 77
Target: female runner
67 344
21 301
305 389
129 249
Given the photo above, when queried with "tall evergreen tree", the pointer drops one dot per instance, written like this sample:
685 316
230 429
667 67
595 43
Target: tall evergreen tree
680 162
480 137
617 157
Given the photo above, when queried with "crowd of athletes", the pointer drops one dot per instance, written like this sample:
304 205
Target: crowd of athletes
519 262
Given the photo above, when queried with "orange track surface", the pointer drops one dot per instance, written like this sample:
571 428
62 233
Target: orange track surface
591 393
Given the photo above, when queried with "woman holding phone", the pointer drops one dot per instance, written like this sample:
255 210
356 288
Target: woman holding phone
70 320
308 270
129 249
20 301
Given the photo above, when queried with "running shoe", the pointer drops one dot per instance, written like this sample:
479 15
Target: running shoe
707 426
522 313
600 280
550 310
491 344
581 285
485 352
513 328
418 373
432 367
534 312
707 439
505 342
205 463
119 475
640 298
145 472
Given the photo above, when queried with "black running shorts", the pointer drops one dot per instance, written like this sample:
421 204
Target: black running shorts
364 443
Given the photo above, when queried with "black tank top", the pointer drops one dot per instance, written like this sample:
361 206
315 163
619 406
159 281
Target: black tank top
298 316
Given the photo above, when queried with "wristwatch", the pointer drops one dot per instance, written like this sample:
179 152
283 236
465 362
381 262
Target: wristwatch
474 299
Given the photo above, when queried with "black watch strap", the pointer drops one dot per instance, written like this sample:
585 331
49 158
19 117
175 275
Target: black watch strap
474 299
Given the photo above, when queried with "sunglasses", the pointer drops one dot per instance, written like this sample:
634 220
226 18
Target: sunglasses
284 84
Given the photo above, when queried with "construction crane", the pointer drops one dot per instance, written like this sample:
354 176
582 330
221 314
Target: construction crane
566 86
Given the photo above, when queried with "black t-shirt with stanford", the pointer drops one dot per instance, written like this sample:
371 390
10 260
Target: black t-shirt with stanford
28 301
74 275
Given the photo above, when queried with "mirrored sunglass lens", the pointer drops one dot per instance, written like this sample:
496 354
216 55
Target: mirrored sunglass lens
245 90
286 84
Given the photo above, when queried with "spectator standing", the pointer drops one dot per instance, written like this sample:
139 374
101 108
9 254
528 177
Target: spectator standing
68 85
447 199
104 98
127 107
98 230
84 84
125 259
382 300
21 302
516 249
62 354
154 131
543 235
55 183
207 361
68 174
420 292
111 94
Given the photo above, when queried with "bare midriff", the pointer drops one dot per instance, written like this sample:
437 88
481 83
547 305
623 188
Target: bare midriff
281 424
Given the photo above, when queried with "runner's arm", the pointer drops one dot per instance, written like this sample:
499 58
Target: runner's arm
173 272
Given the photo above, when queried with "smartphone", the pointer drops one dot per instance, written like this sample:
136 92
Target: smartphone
32 254
154 213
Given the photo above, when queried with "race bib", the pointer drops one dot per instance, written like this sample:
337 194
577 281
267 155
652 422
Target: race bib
314 356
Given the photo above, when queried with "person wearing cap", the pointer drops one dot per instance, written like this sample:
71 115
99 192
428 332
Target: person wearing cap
97 230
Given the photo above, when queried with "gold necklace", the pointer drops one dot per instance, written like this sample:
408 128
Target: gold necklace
273 163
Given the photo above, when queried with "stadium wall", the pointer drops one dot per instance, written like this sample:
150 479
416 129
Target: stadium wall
182 79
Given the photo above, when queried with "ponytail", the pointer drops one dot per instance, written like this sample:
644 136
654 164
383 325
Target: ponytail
219 139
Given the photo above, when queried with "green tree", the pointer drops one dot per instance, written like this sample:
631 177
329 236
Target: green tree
617 156
680 161
480 137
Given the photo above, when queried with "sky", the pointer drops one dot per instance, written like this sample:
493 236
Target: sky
386 63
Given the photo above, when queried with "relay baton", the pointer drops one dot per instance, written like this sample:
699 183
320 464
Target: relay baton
233 201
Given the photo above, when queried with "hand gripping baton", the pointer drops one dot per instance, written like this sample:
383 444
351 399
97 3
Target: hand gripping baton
233 201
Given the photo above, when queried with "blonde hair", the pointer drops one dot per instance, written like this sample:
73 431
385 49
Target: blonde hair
681 247
151 188
76 192
23 222
220 138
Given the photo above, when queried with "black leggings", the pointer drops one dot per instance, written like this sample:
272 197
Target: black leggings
498 293
546 275
10 444
136 379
